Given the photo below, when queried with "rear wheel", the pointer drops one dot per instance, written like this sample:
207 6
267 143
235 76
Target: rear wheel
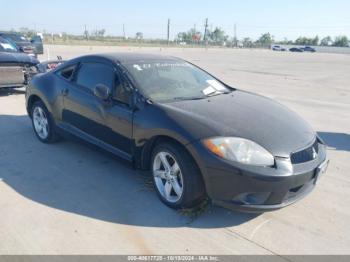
43 124
176 177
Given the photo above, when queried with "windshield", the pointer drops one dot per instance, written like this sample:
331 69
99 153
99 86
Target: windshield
167 81
7 46
16 37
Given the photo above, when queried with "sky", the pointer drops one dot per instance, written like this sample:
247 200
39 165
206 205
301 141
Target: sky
282 18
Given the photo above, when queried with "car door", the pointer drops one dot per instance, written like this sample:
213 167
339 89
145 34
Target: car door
119 116
83 113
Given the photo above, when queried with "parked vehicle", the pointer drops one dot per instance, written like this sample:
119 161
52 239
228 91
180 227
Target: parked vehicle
6 46
309 49
296 49
198 136
15 67
21 42
37 43
31 47
278 48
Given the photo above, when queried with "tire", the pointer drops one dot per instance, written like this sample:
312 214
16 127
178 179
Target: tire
185 175
43 124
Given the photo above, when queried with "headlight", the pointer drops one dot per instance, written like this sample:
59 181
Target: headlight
240 150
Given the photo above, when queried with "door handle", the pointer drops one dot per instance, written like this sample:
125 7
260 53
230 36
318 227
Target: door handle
65 91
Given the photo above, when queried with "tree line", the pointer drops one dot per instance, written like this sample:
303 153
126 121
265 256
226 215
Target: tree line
216 36
219 37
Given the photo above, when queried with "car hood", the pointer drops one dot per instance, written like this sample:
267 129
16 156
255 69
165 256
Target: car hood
21 58
246 115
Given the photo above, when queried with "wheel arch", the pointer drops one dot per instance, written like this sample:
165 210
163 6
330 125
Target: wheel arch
145 154
146 151
31 100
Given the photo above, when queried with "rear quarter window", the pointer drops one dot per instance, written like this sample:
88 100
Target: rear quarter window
67 73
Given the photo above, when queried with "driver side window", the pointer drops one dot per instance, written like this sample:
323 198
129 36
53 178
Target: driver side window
90 74
122 90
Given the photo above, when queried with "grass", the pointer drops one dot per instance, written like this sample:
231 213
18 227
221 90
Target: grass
193 213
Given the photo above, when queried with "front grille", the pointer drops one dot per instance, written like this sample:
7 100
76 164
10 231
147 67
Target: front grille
305 155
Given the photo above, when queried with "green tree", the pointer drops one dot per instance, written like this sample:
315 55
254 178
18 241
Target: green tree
285 41
101 33
29 33
139 36
302 40
341 41
64 36
326 41
189 36
265 39
218 35
315 41
247 42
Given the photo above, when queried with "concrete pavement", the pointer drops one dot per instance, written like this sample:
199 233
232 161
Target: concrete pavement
69 198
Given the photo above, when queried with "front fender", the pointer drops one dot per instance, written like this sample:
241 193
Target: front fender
43 86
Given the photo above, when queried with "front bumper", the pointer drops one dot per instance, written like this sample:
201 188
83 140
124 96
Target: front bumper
257 189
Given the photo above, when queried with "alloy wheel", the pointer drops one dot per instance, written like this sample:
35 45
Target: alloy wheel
168 177
41 123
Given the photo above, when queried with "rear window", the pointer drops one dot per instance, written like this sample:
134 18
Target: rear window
36 39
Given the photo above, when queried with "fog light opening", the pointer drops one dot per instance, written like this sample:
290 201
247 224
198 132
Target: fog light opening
252 198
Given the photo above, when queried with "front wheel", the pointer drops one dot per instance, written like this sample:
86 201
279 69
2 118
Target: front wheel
176 177
43 124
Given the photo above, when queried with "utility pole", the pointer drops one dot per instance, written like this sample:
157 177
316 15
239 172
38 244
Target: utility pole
168 32
86 33
205 31
124 32
235 35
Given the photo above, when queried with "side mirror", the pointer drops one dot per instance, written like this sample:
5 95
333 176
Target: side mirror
138 100
102 92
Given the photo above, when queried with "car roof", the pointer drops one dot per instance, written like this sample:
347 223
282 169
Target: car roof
137 57
119 58
126 58
9 33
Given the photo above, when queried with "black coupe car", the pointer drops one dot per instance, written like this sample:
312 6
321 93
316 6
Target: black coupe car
197 135
296 49
309 49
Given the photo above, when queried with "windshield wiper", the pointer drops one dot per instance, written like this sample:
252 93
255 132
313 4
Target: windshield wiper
219 93
188 98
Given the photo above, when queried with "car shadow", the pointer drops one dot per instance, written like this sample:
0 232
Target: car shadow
337 141
11 91
73 177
